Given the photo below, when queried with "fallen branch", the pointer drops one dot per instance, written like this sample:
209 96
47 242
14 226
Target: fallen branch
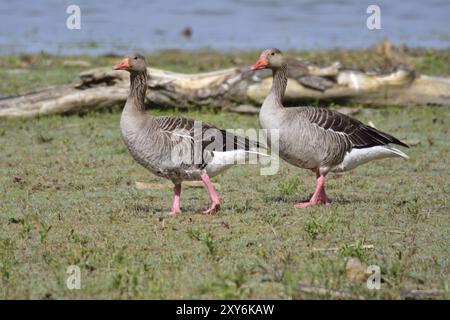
335 249
417 294
340 294
102 88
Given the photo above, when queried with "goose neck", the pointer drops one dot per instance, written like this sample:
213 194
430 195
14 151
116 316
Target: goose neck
279 84
136 97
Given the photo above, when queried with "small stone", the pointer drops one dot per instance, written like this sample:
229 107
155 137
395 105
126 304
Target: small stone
356 272
246 109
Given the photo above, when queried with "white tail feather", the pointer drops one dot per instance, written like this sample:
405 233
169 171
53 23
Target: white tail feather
357 157
398 152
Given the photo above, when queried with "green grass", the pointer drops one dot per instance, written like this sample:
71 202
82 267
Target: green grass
68 197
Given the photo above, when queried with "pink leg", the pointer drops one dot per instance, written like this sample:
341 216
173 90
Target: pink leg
319 196
176 199
215 206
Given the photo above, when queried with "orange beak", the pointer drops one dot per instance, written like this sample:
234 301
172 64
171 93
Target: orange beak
122 65
260 64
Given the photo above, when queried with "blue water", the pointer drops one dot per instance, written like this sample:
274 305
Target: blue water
120 26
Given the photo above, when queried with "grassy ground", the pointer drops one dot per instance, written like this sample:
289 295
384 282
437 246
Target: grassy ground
68 197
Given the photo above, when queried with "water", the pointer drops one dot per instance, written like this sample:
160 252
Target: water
121 26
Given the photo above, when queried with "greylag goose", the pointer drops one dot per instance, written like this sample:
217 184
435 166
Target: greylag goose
173 147
318 139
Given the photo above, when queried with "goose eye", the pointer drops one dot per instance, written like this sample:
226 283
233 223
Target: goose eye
135 58
272 53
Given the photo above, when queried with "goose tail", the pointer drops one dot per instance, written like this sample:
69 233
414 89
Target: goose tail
357 156
397 152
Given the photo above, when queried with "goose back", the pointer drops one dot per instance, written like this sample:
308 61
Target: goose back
321 138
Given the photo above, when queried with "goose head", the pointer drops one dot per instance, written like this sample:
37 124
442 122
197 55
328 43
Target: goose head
269 59
134 62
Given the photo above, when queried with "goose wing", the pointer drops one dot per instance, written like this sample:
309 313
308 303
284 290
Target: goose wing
359 134
210 138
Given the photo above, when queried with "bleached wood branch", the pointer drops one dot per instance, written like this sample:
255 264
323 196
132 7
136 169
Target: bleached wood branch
230 88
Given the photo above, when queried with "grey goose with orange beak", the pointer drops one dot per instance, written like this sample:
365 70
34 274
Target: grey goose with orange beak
319 139
174 147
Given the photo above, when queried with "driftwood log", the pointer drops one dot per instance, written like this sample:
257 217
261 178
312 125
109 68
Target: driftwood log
232 88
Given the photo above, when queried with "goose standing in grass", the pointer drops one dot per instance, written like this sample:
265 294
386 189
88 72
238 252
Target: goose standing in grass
173 147
319 139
